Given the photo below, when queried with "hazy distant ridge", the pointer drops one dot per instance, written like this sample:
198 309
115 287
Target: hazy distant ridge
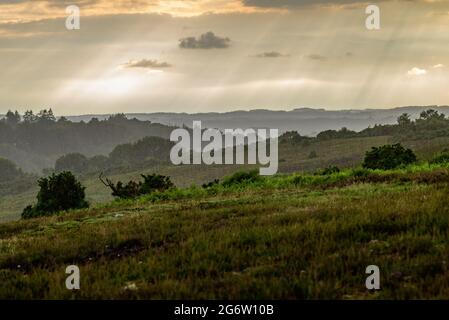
307 121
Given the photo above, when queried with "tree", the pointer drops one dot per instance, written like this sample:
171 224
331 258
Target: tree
431 115
58 192
388 157
46 115
404 119
29 116
12 118
8 170
150 184
74 162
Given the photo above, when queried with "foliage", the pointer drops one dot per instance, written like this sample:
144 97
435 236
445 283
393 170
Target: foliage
388 157
241 177
441 158
333 134
151 183
40 138
294 138
329 170
8 171
404 119
238 241
59 192
210 184
73 162
148 148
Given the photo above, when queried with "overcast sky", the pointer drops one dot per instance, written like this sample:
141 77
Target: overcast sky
218 55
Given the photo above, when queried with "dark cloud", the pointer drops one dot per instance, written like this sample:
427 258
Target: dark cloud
148 64
316 57
271 54
206 41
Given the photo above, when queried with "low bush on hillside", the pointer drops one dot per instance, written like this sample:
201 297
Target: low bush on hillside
151 183
440 158
327 171
388 157
241 177
210 184
59 192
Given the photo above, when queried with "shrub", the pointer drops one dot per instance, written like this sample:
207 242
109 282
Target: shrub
241 177
388 157
440 158
155 182
73 162
150 184
210 184
328 171
8 170
360 173
58 192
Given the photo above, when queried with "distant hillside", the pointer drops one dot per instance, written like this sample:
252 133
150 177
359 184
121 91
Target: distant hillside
306 121
34 142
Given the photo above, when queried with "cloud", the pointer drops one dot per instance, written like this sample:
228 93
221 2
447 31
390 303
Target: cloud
271 54
148 64
295 3
290 4
316 57
417 72
206 41
437 66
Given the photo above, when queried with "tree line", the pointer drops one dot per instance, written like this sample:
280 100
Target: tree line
31 138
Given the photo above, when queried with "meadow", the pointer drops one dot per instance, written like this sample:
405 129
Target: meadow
293 158
291 236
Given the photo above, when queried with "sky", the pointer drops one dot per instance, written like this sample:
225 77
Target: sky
221 55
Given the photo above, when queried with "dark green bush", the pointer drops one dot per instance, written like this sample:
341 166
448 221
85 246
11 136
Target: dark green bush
440 158
210 184
241 177
150 184
155 182
327 171
388 157
58 192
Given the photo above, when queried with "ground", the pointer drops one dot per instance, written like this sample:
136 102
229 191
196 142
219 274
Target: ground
278 238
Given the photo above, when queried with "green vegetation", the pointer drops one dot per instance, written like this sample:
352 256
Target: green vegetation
388 157
36 141
306 233
12 179
151 183
441 158
59 192
282 237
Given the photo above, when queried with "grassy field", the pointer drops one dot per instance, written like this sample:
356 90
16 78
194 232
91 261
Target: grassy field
292 237
292 158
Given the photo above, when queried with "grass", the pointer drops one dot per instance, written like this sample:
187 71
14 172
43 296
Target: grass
345 153
284 237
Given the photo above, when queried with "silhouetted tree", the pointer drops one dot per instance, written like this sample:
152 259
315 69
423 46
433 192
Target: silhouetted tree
74 162
388 157
404 119
8 170
132 189
431 114
12 118
58 192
